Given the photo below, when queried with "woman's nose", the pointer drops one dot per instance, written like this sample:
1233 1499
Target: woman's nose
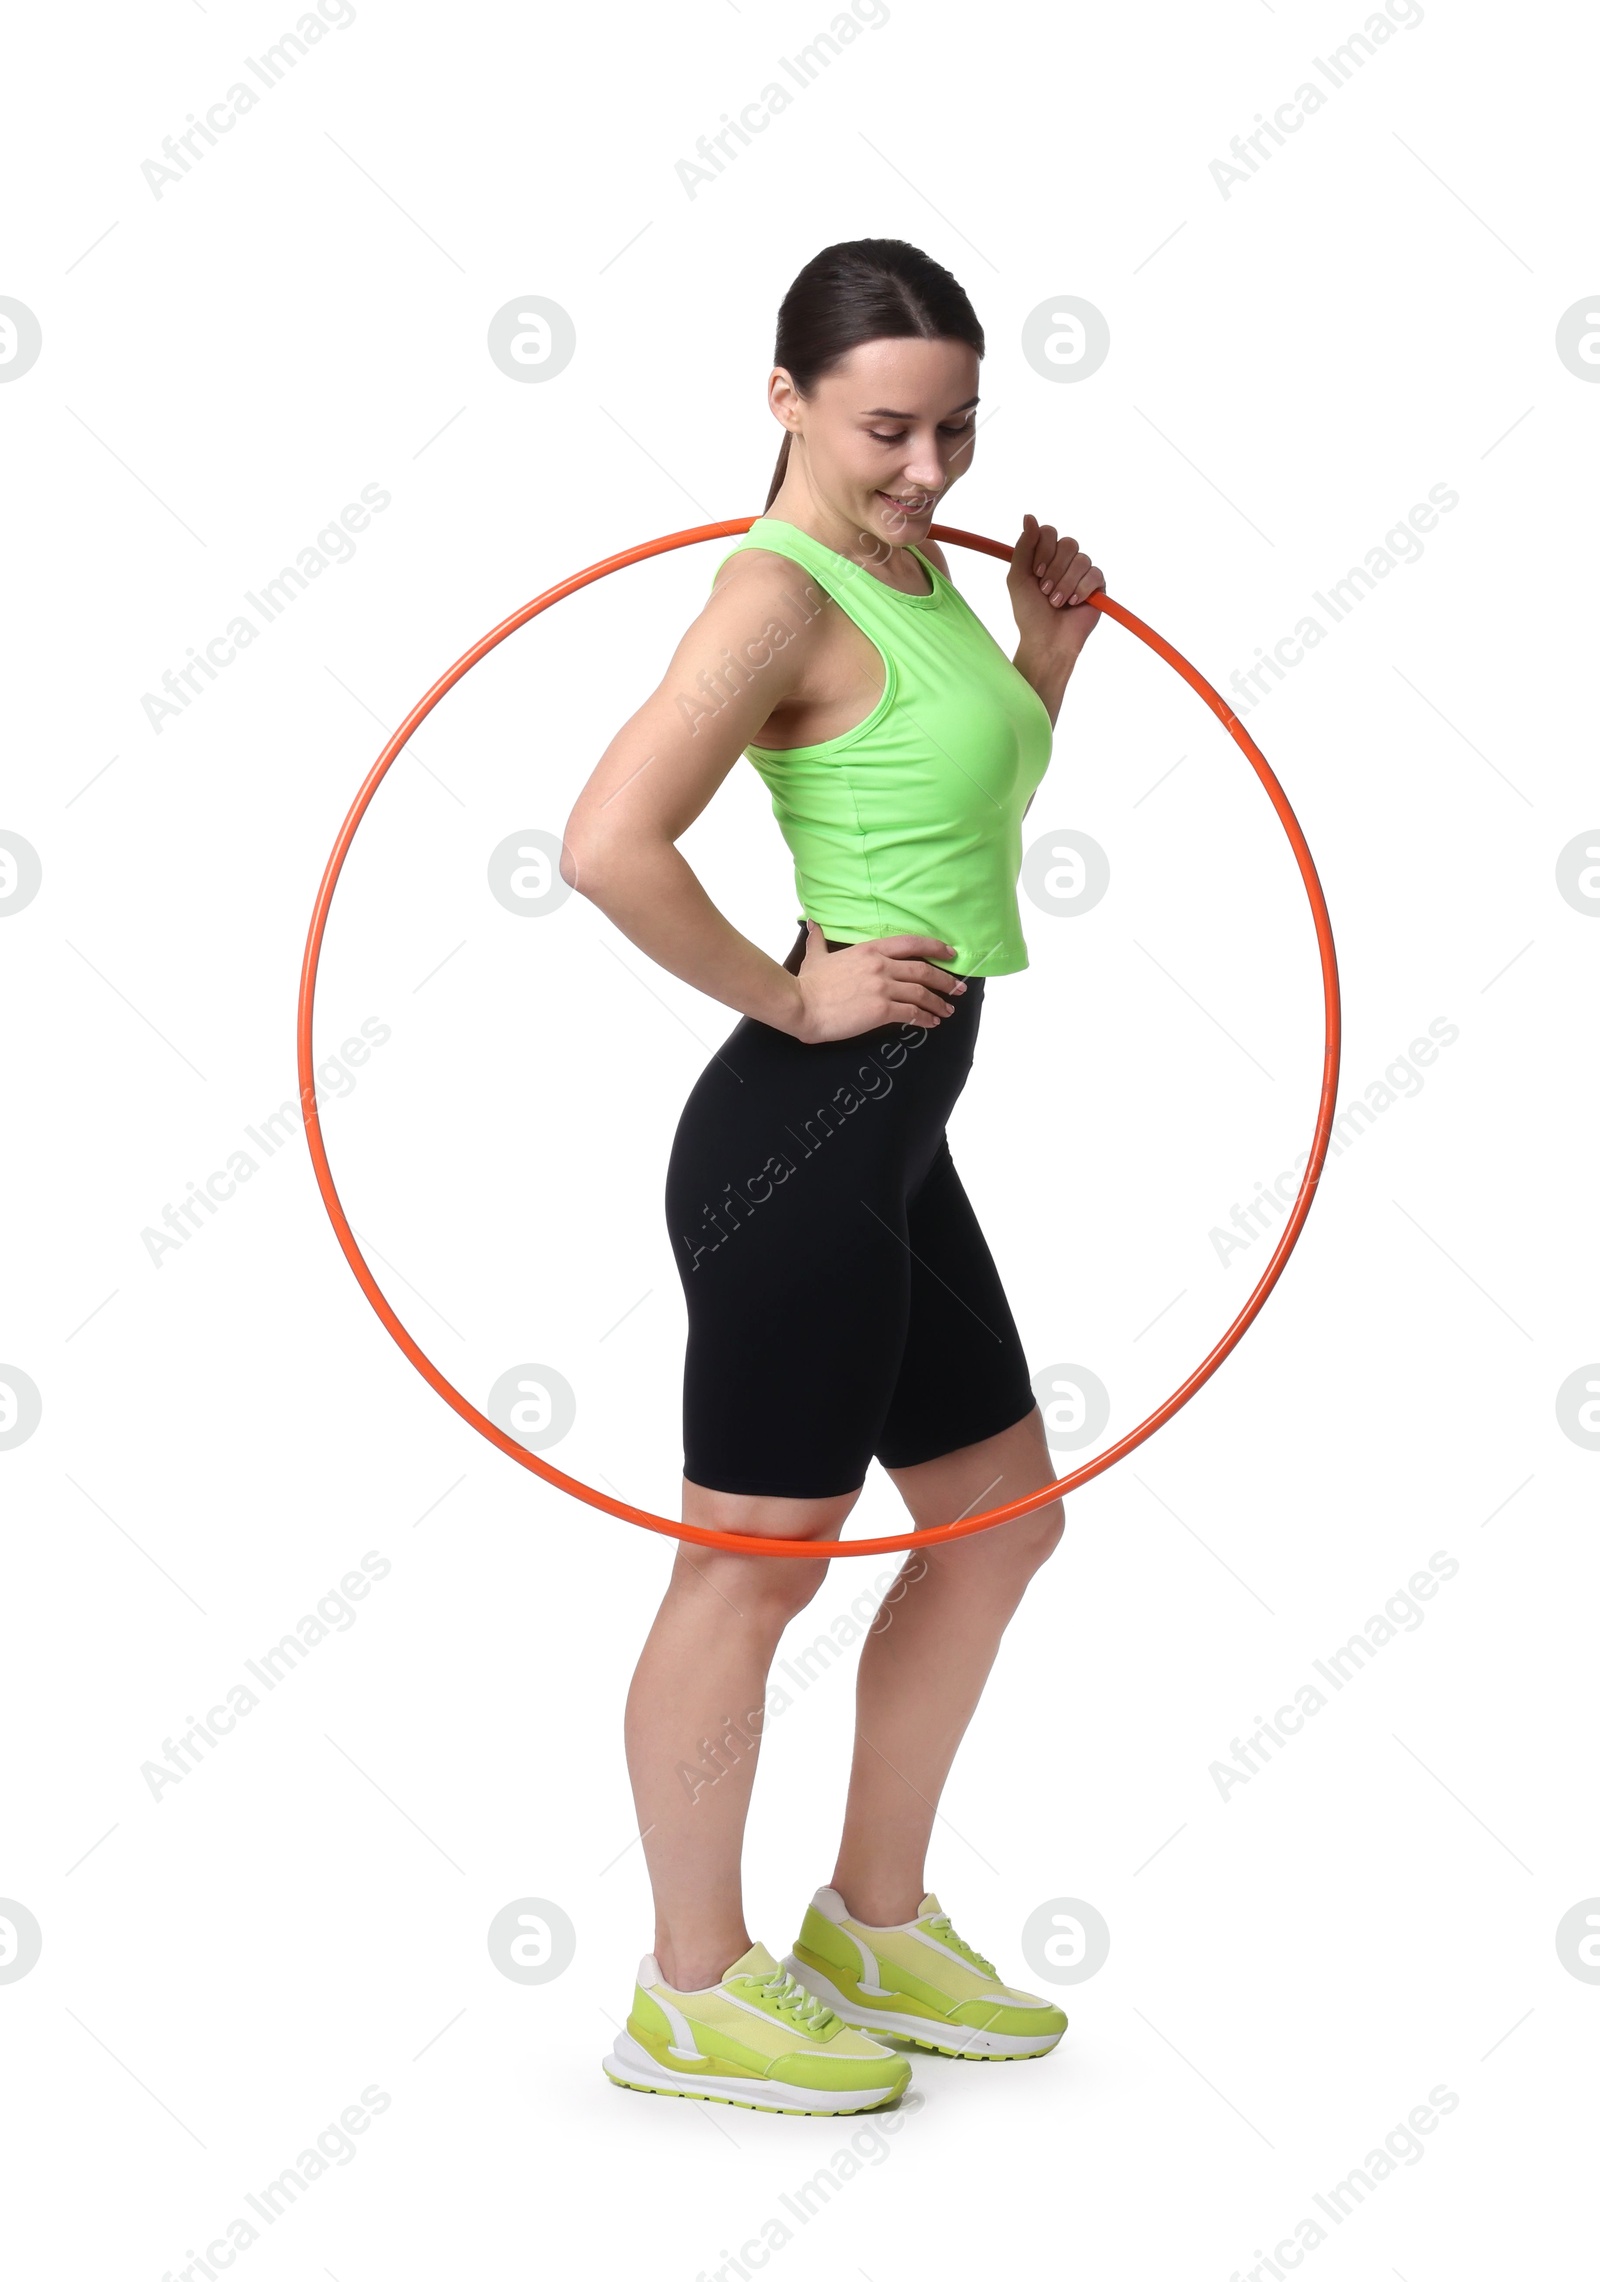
924 474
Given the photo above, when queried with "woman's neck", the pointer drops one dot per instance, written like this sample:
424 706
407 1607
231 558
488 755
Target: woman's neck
886 559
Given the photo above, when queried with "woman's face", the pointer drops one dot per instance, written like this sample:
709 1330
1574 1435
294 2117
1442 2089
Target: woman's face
887 432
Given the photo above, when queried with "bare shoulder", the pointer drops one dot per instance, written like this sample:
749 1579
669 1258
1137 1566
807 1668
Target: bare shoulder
764 610
936 554
755 584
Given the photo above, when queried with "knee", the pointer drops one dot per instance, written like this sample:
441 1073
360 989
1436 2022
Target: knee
766 1594
1046 1528
1026 1545
994 1569
1040 1534
780 1590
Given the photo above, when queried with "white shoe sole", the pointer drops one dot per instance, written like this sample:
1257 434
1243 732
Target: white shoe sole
630 2065
957 2043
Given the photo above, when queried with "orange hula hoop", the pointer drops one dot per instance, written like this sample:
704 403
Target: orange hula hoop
785 1548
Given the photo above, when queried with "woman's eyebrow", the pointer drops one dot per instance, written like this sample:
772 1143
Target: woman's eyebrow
882 411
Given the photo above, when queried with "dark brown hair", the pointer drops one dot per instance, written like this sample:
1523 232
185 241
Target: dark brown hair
865 289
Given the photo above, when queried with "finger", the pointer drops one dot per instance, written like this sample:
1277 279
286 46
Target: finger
1044 548
1065 550
911 994
931 978
947 987
901 1010
1092 582
1065 565
912 946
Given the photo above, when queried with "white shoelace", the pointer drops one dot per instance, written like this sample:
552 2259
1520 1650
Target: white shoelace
809 2012
941 1920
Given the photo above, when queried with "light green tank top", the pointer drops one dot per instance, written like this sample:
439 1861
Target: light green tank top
911 823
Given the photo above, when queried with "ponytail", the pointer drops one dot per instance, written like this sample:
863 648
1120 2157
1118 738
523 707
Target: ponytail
780 470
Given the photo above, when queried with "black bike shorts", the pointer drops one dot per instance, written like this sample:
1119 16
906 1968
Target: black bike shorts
843 1304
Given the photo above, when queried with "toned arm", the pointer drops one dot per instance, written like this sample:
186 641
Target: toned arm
749 651
664 764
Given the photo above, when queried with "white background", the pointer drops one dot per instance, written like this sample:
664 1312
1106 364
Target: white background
225 1432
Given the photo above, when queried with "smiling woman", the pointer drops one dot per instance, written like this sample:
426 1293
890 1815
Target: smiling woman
843 1306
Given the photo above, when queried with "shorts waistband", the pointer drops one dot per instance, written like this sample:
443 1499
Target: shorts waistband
793 962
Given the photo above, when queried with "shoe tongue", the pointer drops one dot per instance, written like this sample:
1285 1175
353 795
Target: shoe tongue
930 1906
757 1959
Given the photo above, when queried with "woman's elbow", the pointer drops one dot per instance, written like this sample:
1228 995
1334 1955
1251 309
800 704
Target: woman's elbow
584 852
595 861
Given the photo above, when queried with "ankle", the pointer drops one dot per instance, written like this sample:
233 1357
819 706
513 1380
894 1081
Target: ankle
696 1962
879 1902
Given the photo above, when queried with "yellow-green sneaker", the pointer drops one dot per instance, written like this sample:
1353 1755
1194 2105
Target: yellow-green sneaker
920 1981
757 2039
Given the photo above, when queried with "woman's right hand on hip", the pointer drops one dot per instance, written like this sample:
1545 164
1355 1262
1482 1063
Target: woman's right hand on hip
843 993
